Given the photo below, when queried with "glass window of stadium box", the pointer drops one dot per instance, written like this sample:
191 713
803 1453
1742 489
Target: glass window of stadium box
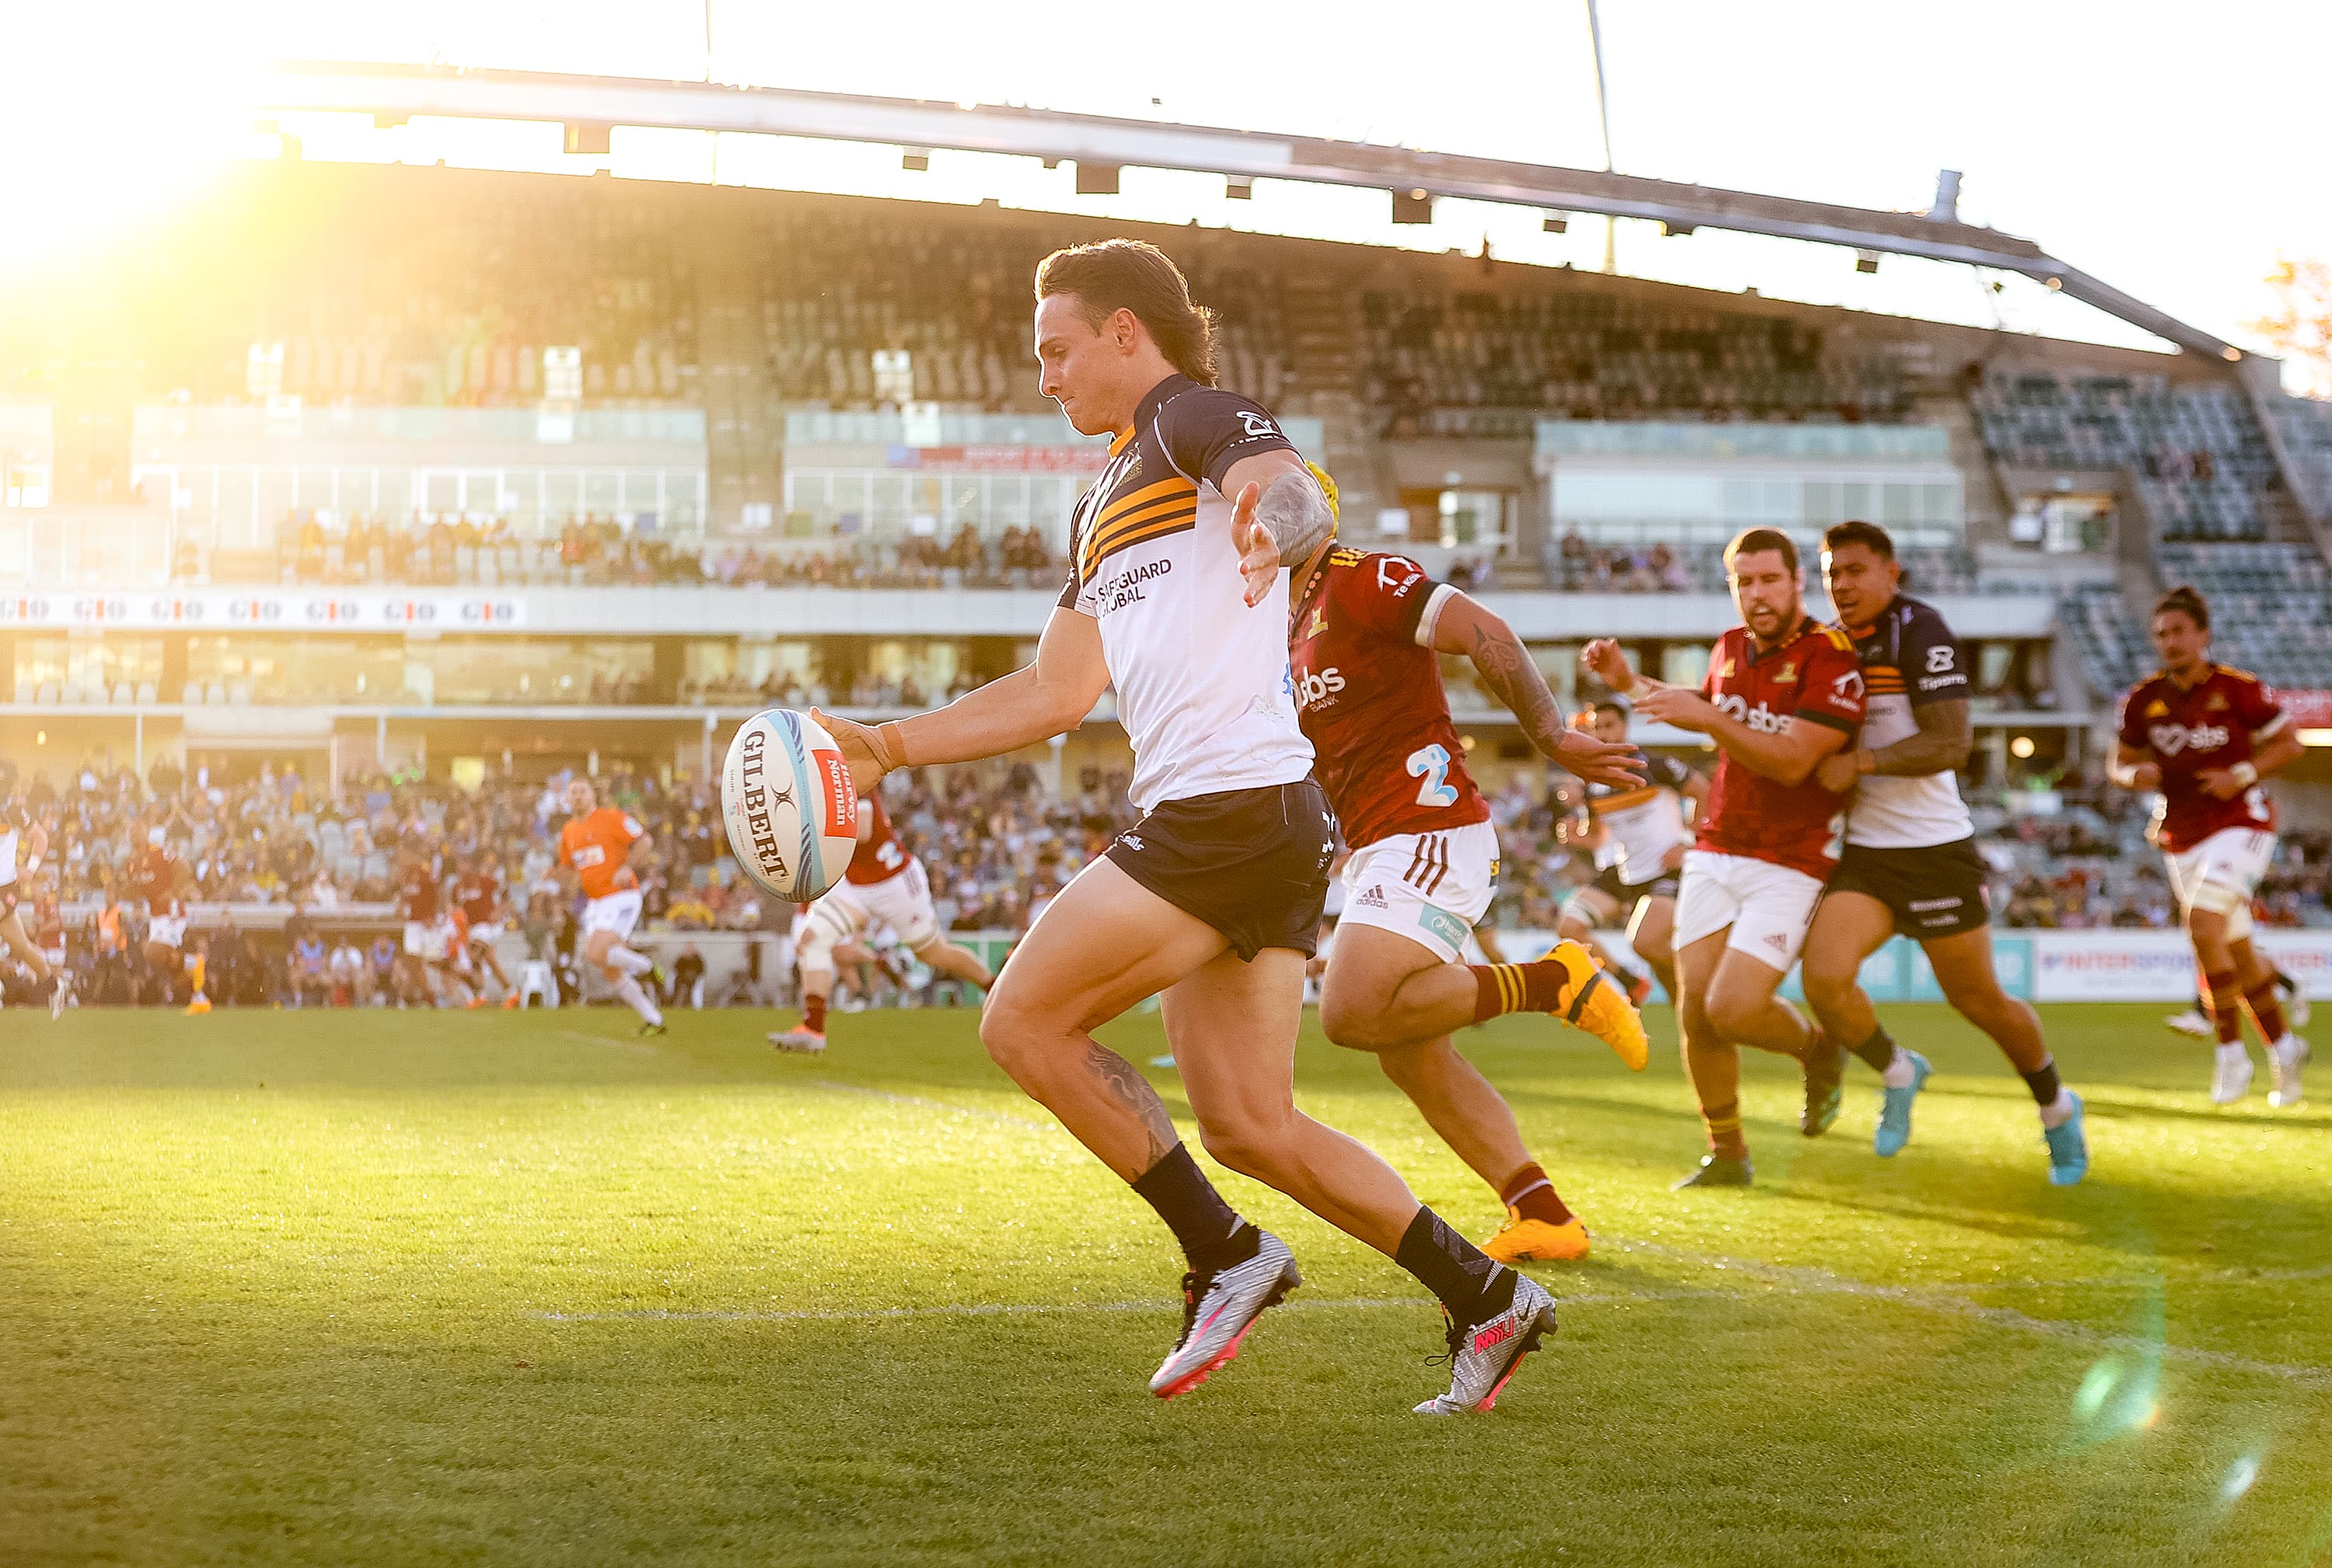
87 668
239 669
247 505
889 504
529 670
1684 663
915 672
723 670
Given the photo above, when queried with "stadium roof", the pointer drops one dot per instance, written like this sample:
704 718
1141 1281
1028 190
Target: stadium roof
398 91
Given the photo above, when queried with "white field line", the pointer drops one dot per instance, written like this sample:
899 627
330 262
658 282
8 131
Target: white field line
639 1047
1795 1280
1053 1309
1776 1278
949 1106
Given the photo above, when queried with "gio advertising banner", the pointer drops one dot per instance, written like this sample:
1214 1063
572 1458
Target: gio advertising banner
270 609
2043 966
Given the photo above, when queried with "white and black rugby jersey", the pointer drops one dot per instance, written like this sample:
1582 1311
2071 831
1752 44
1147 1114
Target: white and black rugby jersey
1202 683
1645 820
1909 659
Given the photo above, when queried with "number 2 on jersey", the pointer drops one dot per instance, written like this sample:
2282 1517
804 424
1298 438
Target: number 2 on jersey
1431 764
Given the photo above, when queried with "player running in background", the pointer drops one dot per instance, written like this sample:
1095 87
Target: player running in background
1638 833
162 880
1909 864
22 842
884 885
596 847
480 894
2195 1021
1783 693
1212 901
2204 735
1364 635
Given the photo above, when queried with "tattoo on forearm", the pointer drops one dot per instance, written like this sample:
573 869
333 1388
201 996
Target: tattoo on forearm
1943 741
1129 1088
1296 514
1516 681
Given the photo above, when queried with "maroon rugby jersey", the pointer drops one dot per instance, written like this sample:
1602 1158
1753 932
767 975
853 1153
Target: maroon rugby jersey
882 856
416 894
1813 677
2214 723
478 895
1369 697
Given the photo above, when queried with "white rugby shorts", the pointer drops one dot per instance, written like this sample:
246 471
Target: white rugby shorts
617 912
1768 906
169 929
485 933
902 902
2220 874
1429 887
424 942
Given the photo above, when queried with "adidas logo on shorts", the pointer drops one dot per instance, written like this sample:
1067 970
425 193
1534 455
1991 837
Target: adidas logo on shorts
1778 942
1373 898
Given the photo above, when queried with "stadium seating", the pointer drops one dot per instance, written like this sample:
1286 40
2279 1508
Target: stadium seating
2202 463
2271 614
2270 607
1593 356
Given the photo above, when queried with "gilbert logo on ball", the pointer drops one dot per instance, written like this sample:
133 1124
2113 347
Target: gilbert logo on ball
788 802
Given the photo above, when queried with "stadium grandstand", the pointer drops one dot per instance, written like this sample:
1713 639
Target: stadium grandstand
460 482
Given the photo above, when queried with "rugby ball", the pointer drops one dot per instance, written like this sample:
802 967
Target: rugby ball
786 799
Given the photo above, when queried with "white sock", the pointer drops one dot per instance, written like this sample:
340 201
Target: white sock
630 963
2058 1111
637 999
2229 1055
1899 1072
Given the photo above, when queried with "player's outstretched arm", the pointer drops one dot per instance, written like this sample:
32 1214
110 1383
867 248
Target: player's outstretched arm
1279 518
1034 702
1466 626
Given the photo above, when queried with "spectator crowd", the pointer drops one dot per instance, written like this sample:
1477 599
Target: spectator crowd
334 865
458 550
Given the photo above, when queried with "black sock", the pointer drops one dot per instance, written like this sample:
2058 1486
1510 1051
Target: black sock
1190 1205
1878 1050
2044 1082
1469 1283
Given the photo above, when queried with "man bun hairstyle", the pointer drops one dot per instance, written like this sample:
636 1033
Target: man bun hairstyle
1868 535
1756 541
2187 603
1134 275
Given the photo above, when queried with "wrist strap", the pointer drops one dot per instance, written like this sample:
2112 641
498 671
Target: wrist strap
2247 771
893 739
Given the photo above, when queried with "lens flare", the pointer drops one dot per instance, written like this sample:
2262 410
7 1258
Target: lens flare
2239 1478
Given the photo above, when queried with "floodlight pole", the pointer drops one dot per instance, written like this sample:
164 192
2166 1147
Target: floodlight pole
1604 116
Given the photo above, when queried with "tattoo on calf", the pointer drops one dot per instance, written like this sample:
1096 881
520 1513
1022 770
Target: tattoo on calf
1296 514
1126 1084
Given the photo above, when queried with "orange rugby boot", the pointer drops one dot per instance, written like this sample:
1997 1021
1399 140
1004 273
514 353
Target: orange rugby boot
1521 1240
1596 1000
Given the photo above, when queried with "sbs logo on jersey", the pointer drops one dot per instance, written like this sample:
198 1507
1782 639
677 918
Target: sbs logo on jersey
1319 687
2172 739
1761 718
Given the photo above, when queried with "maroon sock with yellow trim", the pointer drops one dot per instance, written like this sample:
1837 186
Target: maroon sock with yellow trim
1518 988
1724 1124
2226 1007
1530 1194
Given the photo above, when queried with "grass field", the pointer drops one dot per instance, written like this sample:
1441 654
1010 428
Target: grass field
309 1288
